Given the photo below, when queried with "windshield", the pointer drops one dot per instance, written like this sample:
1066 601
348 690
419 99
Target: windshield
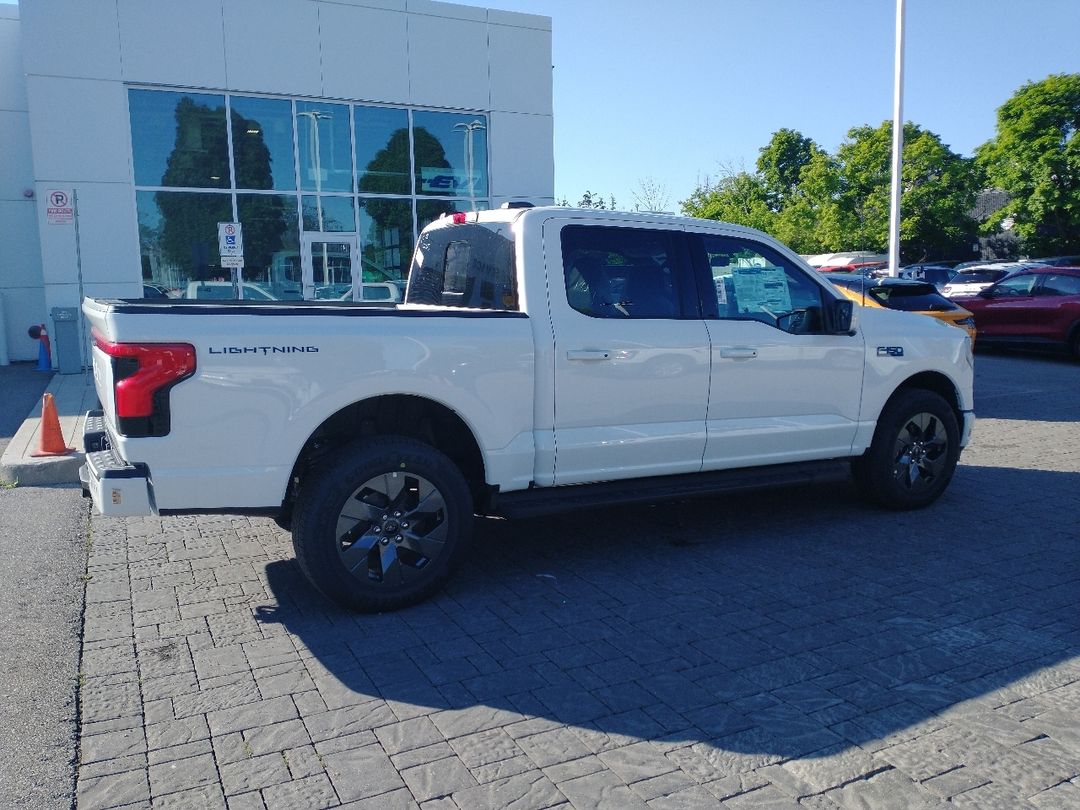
978 276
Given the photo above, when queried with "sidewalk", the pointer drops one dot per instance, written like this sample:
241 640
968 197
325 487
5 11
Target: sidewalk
74 395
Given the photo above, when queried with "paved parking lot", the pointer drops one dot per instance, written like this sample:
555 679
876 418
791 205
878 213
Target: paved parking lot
787 649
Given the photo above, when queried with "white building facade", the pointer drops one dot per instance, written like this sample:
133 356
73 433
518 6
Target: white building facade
330 130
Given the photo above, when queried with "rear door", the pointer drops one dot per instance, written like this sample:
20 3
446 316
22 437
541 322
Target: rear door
631 362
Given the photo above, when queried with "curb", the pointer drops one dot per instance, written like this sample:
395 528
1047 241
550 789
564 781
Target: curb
74 395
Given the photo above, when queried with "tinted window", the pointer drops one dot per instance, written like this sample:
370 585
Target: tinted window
754 282
382 150
179 139
263 143
450 150
978 276
911 298
464 266
1017 285
324 146
1054 284
614 272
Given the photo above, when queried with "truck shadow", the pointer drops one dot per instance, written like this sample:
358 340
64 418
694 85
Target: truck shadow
785 624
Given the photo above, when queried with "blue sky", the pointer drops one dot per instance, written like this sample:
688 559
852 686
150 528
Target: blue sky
676 89
679 89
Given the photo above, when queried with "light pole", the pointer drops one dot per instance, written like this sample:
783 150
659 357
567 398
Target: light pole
314 116
897 144
470 156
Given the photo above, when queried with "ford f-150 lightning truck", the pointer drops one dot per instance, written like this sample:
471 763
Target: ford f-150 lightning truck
542 358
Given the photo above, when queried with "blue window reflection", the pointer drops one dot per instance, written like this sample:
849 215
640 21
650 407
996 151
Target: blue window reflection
178 237
382 150
179 139
386 231
451 154
323 135
329 214
263 143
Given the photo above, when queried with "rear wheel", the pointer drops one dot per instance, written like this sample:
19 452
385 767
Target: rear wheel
914 452
382 524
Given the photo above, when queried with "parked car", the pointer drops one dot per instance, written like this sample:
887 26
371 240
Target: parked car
906 295
937 274
154 291
969 280
1036 307
223 290
859 268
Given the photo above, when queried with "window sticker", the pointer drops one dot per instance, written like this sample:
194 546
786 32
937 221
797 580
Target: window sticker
761 289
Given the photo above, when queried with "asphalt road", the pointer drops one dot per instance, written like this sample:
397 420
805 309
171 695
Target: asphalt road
22 387
43 535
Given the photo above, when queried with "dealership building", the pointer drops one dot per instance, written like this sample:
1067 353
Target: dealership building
134 131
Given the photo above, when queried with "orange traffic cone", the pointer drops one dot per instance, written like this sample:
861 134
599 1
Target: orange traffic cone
51 442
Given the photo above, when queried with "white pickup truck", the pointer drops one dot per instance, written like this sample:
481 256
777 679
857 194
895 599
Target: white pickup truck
543 358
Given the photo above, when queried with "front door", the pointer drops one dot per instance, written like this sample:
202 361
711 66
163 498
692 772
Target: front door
329 263
782 389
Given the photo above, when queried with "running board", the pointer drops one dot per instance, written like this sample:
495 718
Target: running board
544 500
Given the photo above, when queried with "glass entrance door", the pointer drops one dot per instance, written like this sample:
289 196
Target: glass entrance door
329 267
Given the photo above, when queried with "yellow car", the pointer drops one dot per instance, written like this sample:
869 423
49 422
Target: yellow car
904 294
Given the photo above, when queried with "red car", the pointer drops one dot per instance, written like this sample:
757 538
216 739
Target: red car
1034 307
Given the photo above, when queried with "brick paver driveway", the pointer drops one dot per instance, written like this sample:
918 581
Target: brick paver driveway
788 649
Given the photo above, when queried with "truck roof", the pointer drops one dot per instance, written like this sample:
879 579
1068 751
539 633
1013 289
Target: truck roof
542 212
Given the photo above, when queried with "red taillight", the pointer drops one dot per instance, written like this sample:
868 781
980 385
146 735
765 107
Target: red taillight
459 218
142 375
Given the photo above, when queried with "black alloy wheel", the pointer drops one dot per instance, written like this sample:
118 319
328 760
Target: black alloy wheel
382 523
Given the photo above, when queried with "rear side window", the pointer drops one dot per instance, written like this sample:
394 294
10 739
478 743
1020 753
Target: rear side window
616 272
468 265
1061 284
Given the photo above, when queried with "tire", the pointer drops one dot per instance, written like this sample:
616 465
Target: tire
913 454
1074 343
382 524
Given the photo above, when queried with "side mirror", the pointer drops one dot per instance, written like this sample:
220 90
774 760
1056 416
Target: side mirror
986 292
838 314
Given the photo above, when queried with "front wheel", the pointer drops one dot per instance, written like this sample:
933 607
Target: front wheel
382 524
914 452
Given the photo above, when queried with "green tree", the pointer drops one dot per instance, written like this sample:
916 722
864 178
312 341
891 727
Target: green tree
780 163
811 219
737 197
1035 157
938 189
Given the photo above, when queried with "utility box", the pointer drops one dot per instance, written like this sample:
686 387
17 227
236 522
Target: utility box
66 339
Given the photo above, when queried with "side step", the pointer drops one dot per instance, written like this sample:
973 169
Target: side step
545 500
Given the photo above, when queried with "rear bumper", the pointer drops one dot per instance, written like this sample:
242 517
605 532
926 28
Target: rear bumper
117 488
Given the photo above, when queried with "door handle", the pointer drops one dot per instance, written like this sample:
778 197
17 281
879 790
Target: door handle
588 354
738 352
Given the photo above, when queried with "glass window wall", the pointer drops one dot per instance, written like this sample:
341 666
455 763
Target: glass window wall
284 167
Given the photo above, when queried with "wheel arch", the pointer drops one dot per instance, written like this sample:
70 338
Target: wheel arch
937 383
409 415
1072 339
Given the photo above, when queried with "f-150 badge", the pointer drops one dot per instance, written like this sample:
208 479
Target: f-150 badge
890 351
